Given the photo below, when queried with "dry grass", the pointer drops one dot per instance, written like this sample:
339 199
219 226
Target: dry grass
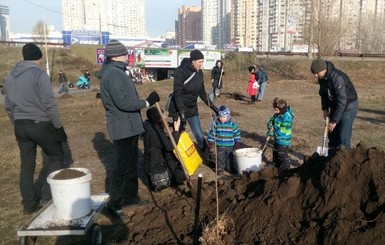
216 230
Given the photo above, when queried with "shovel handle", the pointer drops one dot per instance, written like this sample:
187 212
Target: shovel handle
267 141
326 127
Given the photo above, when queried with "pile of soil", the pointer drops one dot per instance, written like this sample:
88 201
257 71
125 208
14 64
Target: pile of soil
324 201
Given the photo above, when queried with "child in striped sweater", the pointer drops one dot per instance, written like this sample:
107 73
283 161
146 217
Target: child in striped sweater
225 135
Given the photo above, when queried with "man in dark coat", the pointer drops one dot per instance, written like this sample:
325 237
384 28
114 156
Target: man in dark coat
339 102
122 104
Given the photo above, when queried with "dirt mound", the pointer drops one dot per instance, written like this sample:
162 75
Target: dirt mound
325 201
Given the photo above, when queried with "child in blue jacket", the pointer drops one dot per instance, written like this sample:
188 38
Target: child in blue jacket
225 134
280 127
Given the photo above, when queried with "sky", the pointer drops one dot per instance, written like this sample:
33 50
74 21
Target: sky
24 14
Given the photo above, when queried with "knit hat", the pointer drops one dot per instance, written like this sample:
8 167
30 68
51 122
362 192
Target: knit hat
31 52
196 55
224 111
115 48
318 65
280 104
153 115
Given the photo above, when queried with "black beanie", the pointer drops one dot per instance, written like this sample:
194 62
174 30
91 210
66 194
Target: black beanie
153 115
115 48
317 66
196 55
31 52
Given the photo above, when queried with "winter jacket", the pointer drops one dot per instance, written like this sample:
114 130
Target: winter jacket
186 95
216 75
261 76
121 102
158 151
337 93
251 89
225 134
280 126
28 95
62 77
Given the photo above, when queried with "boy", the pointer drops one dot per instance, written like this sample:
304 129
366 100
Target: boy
225 134
280 127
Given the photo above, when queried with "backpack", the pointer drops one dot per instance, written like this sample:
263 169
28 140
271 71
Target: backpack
161 178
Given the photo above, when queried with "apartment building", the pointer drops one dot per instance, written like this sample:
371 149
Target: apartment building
118 17
216 22
4 23
188 27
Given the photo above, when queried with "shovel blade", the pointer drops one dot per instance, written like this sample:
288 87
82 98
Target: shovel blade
322 151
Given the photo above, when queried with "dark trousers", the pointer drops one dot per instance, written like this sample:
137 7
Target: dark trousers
30 134
124 179
252 98
280 156
226 158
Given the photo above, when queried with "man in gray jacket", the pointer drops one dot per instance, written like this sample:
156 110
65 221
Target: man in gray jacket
31 106
124 122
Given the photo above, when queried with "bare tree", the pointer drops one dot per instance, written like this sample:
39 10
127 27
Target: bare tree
327 26
39 31
371 35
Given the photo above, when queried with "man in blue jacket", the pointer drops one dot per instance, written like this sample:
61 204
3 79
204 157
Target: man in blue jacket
339 102
124 122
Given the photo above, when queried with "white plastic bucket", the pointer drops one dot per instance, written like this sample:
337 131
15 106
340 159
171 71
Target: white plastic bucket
248 159
71 197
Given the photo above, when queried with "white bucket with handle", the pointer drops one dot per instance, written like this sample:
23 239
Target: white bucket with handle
248 159
71 196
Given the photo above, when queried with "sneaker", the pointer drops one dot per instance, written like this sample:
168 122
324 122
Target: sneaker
135 201
118 214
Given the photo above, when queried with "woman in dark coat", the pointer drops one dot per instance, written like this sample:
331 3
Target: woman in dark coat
217 77
188 85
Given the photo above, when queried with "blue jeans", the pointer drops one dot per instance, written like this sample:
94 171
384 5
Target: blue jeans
262 87
196 128
30 134
342 133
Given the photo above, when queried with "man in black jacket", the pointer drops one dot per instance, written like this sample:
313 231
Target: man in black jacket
339 102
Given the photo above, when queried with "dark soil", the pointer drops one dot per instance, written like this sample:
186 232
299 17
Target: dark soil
68 173
339 200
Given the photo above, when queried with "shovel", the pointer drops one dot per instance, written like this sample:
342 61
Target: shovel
323 150
265 146
188 180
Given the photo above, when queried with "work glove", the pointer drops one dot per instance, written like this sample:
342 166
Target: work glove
153 98
270 133
214 108
61 135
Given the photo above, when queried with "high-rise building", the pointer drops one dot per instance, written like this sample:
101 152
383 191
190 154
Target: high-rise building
188 27
216 22
4 23
119 17
244 23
